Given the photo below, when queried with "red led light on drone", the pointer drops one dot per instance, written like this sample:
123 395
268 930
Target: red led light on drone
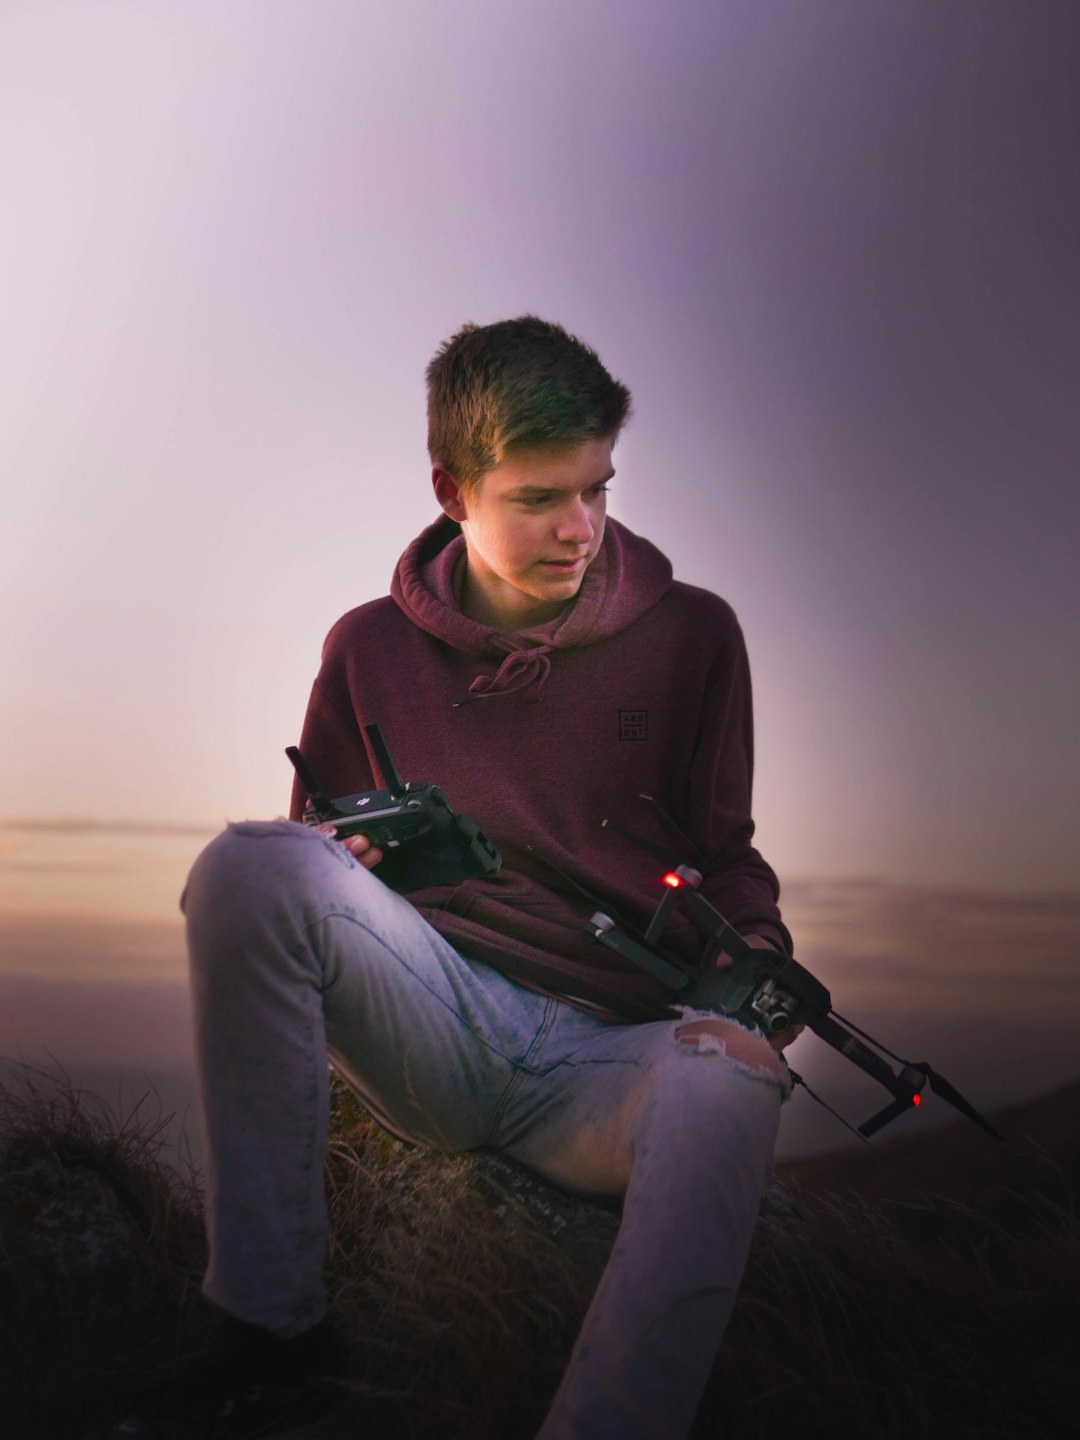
673 880
916 1099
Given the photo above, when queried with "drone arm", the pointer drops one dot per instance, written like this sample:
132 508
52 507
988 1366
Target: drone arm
854 1050
604 929
882 1118
712 926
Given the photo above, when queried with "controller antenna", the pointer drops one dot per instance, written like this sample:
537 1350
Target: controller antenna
374 737
321 803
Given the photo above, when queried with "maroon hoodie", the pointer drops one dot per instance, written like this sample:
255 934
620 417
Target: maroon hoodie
640 686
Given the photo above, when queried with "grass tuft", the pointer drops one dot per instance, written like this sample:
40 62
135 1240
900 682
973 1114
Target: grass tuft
102 1249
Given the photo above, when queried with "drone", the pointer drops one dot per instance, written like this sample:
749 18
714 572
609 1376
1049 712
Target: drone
762 989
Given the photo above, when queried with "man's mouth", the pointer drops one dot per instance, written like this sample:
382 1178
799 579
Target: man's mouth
567 565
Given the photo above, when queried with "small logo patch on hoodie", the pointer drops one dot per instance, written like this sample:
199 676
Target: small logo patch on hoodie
633 724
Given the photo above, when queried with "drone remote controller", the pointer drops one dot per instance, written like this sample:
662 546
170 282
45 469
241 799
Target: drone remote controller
423 841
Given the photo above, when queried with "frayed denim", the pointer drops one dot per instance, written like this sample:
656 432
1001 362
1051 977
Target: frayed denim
300 956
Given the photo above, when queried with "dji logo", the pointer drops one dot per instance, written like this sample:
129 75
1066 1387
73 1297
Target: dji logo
633 724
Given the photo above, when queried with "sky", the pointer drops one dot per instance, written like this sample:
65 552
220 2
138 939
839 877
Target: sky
832 247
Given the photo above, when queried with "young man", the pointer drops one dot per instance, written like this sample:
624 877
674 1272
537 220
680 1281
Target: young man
540 664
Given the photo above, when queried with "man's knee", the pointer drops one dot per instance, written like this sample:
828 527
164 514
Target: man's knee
240 862
725 1037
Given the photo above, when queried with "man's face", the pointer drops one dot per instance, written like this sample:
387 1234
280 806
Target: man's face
532 527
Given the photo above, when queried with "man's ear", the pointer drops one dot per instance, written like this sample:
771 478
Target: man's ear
448 493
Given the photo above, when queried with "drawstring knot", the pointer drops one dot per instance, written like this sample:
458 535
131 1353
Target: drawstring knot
522 667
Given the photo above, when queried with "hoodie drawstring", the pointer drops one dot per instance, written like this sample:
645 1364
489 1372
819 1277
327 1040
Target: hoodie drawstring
522 667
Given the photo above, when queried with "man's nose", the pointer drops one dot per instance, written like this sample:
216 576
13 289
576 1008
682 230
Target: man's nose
575 525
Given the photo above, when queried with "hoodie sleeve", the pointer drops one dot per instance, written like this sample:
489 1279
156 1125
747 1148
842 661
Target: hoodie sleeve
331 741
737 881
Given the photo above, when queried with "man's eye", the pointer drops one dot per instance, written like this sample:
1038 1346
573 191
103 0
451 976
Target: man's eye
536 502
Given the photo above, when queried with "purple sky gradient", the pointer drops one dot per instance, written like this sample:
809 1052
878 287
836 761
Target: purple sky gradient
831 246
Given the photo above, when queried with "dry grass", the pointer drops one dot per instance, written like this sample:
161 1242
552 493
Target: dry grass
461 1315
69 1348
898 1322
960 1333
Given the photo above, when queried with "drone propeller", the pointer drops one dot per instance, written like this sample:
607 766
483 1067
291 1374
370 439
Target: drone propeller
684 846
660 851
952 1096
594 900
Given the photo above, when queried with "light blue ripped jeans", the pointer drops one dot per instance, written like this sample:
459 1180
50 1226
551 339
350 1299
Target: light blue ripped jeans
299 954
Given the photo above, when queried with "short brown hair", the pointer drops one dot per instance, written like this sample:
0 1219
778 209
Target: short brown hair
513 386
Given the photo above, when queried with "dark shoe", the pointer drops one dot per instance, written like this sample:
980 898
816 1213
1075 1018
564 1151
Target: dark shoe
261 1387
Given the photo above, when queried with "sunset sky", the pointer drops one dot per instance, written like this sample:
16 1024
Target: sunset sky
832 247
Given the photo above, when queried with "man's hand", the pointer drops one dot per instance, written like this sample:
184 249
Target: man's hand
368 854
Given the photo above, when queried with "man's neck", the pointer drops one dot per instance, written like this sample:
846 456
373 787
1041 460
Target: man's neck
508 618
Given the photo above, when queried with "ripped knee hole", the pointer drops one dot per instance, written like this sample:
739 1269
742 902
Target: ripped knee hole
724 1038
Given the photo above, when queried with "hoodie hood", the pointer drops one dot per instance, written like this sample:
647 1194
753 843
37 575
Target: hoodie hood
627 578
